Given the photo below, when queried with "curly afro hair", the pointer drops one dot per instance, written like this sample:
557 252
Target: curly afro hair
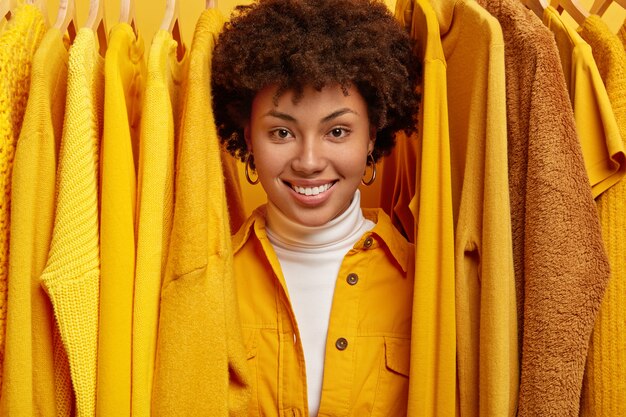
298 43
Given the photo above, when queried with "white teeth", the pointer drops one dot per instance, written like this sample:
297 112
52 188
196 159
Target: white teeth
311 190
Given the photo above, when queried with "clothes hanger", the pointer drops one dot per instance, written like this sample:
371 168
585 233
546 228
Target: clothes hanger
211 4
96 22
127 13
66 18
537 6
171 23
600 6
573 8
7 7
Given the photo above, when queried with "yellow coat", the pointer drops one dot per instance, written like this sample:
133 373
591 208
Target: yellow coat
18 44
29 369
369 376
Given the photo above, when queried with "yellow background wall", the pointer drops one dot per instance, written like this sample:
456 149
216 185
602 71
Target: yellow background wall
149 14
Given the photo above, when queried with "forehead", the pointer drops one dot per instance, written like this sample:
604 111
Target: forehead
309 101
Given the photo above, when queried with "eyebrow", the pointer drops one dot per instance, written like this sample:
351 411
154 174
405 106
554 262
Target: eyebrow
290 118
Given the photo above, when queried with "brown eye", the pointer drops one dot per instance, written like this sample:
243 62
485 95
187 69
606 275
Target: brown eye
337 132
282 133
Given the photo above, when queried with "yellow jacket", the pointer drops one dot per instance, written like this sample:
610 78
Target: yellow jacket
367 355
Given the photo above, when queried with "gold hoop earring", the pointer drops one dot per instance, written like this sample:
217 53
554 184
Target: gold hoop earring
255 182
373 177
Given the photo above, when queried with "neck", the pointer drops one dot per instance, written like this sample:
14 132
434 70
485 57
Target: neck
283 231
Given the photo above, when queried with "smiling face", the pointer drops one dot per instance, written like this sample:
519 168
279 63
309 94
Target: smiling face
310 155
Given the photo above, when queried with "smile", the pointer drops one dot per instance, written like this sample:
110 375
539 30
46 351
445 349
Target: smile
312 190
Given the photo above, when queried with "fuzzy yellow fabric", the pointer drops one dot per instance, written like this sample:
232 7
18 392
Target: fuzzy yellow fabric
201 366
29 368
160 123
18 44
72 273
124 79
604 387
621 34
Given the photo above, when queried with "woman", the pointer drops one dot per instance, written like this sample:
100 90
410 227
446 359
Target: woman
309 93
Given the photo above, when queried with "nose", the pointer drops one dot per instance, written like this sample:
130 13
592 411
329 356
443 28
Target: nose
310 158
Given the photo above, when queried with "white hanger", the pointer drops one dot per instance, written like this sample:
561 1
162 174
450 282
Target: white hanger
600 6
573 8
171 23
66 18
97 22
127 12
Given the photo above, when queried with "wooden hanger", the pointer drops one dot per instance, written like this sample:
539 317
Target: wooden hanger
572 7
171 23
600 6
211 4
127 13
7 7
537 6
66 18
97 22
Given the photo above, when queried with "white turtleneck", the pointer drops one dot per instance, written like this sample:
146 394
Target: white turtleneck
310 258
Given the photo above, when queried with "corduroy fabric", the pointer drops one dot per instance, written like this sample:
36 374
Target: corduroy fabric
486 317
416 192
18 44
160 122
201 366
603 150
29 368
604 387
124 80
72 273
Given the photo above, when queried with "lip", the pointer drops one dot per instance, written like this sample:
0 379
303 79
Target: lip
311 200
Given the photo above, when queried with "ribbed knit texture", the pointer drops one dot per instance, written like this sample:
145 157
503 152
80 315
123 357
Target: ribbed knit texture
72 273
604 387
18 44
201 363
486 317
124 79
29 368
416 191
160 123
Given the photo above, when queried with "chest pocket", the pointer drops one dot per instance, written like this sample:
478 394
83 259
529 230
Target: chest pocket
393 385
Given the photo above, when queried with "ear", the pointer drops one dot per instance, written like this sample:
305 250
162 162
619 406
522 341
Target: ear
372 141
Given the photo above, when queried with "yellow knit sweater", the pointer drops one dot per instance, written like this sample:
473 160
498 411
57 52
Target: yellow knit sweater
29 369
621 34
201 363
18 44
124 78
604 386
72 274
160 123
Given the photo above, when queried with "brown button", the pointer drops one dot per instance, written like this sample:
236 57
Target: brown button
368 243
352 279
341 343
